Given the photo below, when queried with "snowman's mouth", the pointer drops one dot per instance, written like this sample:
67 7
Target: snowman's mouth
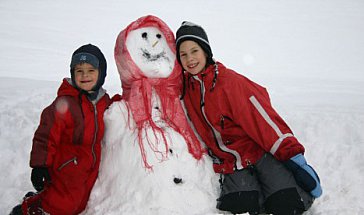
153 57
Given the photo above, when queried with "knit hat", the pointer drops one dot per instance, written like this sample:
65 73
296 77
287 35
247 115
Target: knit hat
89 54
191 31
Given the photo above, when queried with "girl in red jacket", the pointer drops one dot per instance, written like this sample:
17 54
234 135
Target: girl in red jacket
66 147
261 162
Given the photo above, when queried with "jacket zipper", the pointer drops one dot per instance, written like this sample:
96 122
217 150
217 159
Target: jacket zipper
74 160
95 135
217 136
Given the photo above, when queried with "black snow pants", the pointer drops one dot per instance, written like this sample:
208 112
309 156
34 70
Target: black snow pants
266 187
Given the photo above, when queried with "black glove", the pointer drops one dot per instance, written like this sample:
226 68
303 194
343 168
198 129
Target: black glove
39 176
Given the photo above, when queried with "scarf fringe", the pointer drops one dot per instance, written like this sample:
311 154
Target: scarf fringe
160 155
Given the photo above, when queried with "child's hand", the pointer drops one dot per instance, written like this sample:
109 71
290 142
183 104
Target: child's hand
39 176
305 175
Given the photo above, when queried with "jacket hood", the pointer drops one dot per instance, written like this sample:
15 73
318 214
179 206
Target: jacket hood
67 89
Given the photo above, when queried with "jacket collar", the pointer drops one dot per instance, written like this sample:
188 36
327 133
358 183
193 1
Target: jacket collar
67 89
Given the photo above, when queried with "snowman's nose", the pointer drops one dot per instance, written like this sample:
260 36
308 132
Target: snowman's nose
155 43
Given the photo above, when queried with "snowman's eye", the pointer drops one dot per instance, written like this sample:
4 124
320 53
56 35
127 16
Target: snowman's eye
145 35
159 36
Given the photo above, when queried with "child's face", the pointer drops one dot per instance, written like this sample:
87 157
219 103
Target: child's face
85 76
193 57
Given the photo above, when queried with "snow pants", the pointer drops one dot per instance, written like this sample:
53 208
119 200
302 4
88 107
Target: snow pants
266 187
67 194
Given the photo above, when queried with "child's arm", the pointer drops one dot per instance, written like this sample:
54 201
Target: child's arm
44 146
254 113
268 129
46 138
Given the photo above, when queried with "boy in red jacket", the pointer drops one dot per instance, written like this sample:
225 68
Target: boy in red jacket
66 149
261 163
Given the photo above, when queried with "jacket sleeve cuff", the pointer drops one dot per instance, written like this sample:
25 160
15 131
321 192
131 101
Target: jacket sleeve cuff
288 149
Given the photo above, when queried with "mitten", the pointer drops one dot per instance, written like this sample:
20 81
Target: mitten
305 175
39 176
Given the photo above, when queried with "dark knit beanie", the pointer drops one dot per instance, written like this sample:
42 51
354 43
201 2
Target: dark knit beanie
90 54
191 31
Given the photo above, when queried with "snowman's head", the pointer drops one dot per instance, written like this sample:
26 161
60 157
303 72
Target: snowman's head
145 50
149 50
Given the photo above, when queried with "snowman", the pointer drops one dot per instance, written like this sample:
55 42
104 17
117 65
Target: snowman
152 162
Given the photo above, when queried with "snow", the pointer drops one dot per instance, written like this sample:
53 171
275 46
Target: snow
307 53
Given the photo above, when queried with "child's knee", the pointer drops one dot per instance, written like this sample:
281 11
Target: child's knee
240 202
286 201
32 204
240 193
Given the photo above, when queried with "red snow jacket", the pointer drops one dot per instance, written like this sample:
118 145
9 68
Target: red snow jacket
68 142
235 119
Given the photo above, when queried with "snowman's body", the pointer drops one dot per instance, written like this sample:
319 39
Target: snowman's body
177 183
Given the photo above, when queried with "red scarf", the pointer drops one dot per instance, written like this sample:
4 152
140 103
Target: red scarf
137 91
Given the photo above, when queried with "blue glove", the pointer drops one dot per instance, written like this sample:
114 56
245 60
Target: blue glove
305 175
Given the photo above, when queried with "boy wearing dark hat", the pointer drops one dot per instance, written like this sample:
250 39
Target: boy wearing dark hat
261 163
66 149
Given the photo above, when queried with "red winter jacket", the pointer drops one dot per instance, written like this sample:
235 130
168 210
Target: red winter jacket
236 121
68 142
